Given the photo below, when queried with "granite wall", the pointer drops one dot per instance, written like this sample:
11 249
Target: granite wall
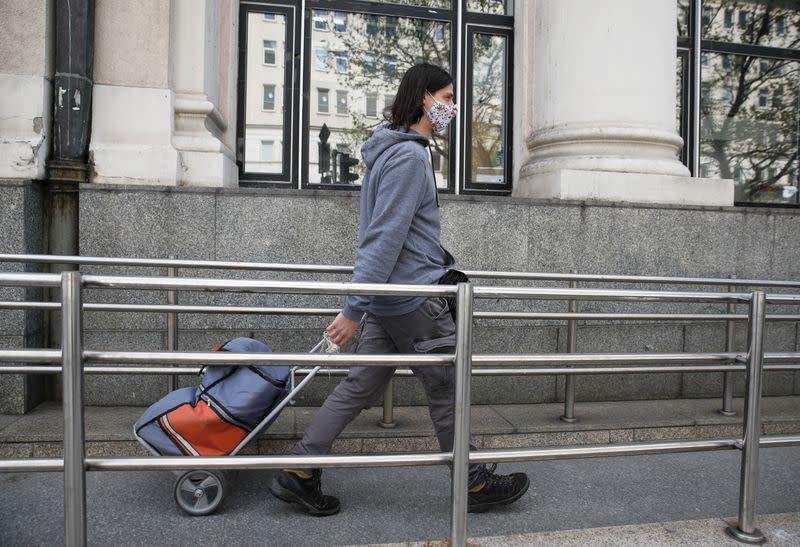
491 233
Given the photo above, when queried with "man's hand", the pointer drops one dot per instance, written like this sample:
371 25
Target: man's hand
342 329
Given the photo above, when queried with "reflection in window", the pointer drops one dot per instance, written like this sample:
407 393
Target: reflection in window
378 49
372 105
269 97
762 22
267 150
499 7
370 63
372 25
269 51
264 121
322 100
729 18
321 56
683 17
749 132
390 65
488 110
339 21
388 101
341 62
341 101
320 20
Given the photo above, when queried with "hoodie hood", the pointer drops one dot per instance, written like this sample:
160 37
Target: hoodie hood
384 138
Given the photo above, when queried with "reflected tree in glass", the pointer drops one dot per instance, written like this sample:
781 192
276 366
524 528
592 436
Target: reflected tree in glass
381 49
488 108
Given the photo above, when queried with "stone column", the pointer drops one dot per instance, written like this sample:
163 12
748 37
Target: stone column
26 87
163 107
603 106
203 54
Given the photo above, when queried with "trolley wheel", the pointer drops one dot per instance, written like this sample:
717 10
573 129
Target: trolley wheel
199 492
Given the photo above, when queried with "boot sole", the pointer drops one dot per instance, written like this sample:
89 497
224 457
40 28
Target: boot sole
485 506
286 495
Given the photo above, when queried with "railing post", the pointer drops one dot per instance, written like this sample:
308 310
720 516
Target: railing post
572 342
745 529
74 452
388 408
172 325
463 374
727 377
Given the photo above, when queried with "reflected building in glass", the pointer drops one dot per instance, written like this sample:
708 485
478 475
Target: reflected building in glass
749 98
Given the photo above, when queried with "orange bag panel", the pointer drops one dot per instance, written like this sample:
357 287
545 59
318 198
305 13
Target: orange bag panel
202 430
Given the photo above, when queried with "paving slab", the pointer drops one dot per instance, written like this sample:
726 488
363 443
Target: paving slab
781 530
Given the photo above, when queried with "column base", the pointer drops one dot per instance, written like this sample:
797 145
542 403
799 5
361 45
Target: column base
568 184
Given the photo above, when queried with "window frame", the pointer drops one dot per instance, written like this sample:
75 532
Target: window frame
770 53
291 96
264 97
298 89
274 50
470 186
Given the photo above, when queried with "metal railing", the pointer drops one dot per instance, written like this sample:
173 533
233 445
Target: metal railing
72 358
571 316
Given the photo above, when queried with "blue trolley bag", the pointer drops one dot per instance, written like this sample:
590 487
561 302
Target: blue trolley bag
215 418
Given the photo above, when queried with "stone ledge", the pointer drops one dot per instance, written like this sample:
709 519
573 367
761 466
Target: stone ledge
109 429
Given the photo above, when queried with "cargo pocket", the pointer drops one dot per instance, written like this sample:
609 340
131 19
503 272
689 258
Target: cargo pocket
442 330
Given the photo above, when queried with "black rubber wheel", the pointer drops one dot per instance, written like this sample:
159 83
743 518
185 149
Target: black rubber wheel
199 492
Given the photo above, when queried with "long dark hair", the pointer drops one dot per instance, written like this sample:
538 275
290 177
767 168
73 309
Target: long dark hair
407 106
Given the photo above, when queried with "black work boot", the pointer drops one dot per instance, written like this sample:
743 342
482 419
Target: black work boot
497 490
297 487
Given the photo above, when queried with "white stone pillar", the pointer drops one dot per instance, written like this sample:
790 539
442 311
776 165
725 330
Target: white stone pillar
203 67
164 107
604 100
27 28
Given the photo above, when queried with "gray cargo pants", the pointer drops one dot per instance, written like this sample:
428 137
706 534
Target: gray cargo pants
428 329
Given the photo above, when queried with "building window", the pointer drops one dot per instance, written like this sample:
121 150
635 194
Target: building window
270 47
270 17
727 96
749 97
763 98
340 21
780 25
341 62
391 27
372 25
438 33
341 102
390 66
322 100
269 98
370 64
267 150
325 52
777 98
321 59
372 105
729 18
321 20
388 101
743 18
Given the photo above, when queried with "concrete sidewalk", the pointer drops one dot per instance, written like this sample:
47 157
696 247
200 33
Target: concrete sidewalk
109 429
781 530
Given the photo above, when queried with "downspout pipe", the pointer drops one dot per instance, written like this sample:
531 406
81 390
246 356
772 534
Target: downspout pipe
72 107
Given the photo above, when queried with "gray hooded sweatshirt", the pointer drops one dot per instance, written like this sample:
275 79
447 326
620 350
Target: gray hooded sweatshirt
399 231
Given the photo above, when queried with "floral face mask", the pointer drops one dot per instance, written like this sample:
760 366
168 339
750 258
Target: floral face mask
440 115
